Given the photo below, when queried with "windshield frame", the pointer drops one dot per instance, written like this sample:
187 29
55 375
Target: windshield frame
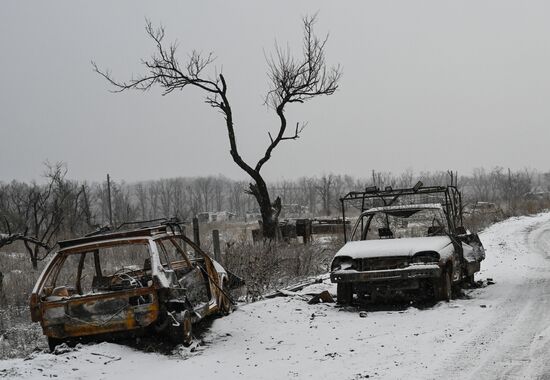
364 220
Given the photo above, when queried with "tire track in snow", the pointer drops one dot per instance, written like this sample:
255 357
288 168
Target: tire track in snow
514 342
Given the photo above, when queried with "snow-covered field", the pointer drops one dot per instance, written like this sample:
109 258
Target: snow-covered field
501 331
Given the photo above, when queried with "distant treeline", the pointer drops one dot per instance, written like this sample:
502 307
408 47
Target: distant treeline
61 207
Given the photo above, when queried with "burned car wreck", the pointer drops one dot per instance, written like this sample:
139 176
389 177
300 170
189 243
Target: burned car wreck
405 242
128 283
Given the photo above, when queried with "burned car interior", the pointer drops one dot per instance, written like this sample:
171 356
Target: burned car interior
113 267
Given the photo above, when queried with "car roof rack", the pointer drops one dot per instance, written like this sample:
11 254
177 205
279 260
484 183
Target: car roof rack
448 196
148 228
388 191
141 223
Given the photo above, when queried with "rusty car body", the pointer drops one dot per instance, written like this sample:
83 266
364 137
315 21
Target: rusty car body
129 282
405 242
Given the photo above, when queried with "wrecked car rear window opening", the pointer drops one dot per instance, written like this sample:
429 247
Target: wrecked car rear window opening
105 268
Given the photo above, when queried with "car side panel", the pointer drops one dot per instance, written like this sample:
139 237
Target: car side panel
98 314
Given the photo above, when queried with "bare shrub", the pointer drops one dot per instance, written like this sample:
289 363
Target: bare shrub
266 267
18 337
18 275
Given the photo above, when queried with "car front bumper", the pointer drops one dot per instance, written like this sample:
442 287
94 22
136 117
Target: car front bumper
409 273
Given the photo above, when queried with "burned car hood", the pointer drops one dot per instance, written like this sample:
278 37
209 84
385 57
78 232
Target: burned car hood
393 247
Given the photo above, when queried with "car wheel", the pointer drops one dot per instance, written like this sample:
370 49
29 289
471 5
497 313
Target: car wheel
344 293
444 286
225 306
469 280
53 343
183 333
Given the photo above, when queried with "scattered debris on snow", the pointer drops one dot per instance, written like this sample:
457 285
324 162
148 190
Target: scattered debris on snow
324 296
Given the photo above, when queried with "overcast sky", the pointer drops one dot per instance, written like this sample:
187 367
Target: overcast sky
427 85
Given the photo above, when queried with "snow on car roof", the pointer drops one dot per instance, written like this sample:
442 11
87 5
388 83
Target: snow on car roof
420 206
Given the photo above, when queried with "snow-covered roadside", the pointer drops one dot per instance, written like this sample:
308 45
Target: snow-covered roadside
502 330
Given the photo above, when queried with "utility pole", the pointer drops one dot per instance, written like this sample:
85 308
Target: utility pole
217 249
509 195
109 200
196 234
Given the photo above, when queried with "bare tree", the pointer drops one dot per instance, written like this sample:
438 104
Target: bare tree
406 178
219 190
292 80
237 198
141 194
180 200
203 188
166 197
324 187
37 213
154 199
195 199
123 209
76 206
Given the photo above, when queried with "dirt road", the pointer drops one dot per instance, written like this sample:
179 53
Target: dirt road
514 342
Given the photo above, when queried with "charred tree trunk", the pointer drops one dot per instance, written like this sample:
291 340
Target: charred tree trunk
32 245
34 258
270 211
33 253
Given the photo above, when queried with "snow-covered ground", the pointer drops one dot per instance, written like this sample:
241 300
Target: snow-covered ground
501 331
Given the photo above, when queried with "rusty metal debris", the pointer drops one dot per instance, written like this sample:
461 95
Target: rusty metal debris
296 287
324 297
305 228
137 281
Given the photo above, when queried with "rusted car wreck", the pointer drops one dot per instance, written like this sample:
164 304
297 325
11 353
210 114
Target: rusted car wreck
130 282
405 242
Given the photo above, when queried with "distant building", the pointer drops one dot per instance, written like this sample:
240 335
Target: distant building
293 210
219 216
252 216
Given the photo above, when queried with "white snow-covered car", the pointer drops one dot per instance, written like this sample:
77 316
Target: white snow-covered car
406 249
